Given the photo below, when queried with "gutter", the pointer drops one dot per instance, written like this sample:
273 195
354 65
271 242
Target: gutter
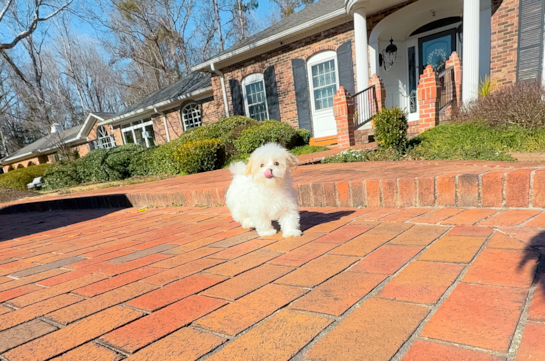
39 151
305 26
152 107
224 92
164 122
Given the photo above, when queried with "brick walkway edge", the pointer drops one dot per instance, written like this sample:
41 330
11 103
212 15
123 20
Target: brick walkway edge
478 186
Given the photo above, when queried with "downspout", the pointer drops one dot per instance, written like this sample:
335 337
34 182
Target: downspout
164 122
224 92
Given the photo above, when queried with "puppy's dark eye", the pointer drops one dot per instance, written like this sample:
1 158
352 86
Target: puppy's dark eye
262 165
276 164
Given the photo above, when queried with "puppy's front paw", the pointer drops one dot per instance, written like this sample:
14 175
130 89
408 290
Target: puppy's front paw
269 232
292 233
247 223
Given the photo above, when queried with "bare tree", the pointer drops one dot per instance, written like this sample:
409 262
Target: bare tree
23 20
96 83
154 35
288 7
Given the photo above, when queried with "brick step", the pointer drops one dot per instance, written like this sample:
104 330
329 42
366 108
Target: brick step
324 141
521 188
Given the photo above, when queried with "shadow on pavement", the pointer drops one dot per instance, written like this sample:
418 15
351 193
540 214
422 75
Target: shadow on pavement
536 245
311 219
24 224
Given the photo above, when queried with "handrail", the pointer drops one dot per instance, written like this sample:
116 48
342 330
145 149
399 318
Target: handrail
447 91
365 105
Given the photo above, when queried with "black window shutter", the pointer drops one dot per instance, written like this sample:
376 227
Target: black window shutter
236 97
272 94
301 93
346 67
530 46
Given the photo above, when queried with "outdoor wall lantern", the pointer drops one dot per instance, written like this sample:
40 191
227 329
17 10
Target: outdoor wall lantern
388 56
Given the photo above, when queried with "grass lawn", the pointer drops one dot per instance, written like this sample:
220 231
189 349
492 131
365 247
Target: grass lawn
102 185
458 141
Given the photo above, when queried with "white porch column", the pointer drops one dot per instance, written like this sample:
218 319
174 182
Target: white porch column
470 61
362 60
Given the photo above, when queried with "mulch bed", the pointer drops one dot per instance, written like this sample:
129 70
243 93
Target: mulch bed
10 195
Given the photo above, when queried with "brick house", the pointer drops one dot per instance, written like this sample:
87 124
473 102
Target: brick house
81 139
293 71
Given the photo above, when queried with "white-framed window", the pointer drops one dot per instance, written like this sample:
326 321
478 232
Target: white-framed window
139 132
191 115
104 140
324 80
255 98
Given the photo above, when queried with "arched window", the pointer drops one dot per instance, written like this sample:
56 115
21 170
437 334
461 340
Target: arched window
30 164
20 166
104 140
255 98
191 114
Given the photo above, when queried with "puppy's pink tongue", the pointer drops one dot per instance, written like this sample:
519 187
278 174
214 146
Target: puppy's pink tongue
268 173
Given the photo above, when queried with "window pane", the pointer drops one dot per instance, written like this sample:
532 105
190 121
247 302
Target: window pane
323 98
139 136
128 137
150 135
257 106
324 83
191 115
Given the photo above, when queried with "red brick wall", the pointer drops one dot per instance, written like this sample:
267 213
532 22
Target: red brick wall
117 135
82 150
505 22
281 59
37 160
174 124
213 110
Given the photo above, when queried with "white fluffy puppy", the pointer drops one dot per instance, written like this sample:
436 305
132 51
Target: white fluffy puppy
262 192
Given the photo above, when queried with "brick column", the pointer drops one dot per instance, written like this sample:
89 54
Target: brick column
428 100
455 62
343 110
380 90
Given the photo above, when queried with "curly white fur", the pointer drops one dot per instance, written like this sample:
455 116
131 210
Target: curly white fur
262 192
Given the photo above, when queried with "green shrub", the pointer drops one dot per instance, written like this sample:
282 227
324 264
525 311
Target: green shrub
19 178
200 156
391 129
62 174
267 131
91 167
229 138
118 160
141 163
303 136
214 130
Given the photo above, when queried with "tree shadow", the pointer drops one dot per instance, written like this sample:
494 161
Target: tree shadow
25 219
18 225
536 246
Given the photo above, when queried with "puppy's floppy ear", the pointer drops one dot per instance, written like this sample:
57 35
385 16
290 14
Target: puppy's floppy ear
249 166
291 160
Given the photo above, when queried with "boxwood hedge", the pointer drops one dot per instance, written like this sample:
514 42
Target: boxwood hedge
197 150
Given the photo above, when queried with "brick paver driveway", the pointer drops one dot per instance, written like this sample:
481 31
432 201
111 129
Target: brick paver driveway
188 283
